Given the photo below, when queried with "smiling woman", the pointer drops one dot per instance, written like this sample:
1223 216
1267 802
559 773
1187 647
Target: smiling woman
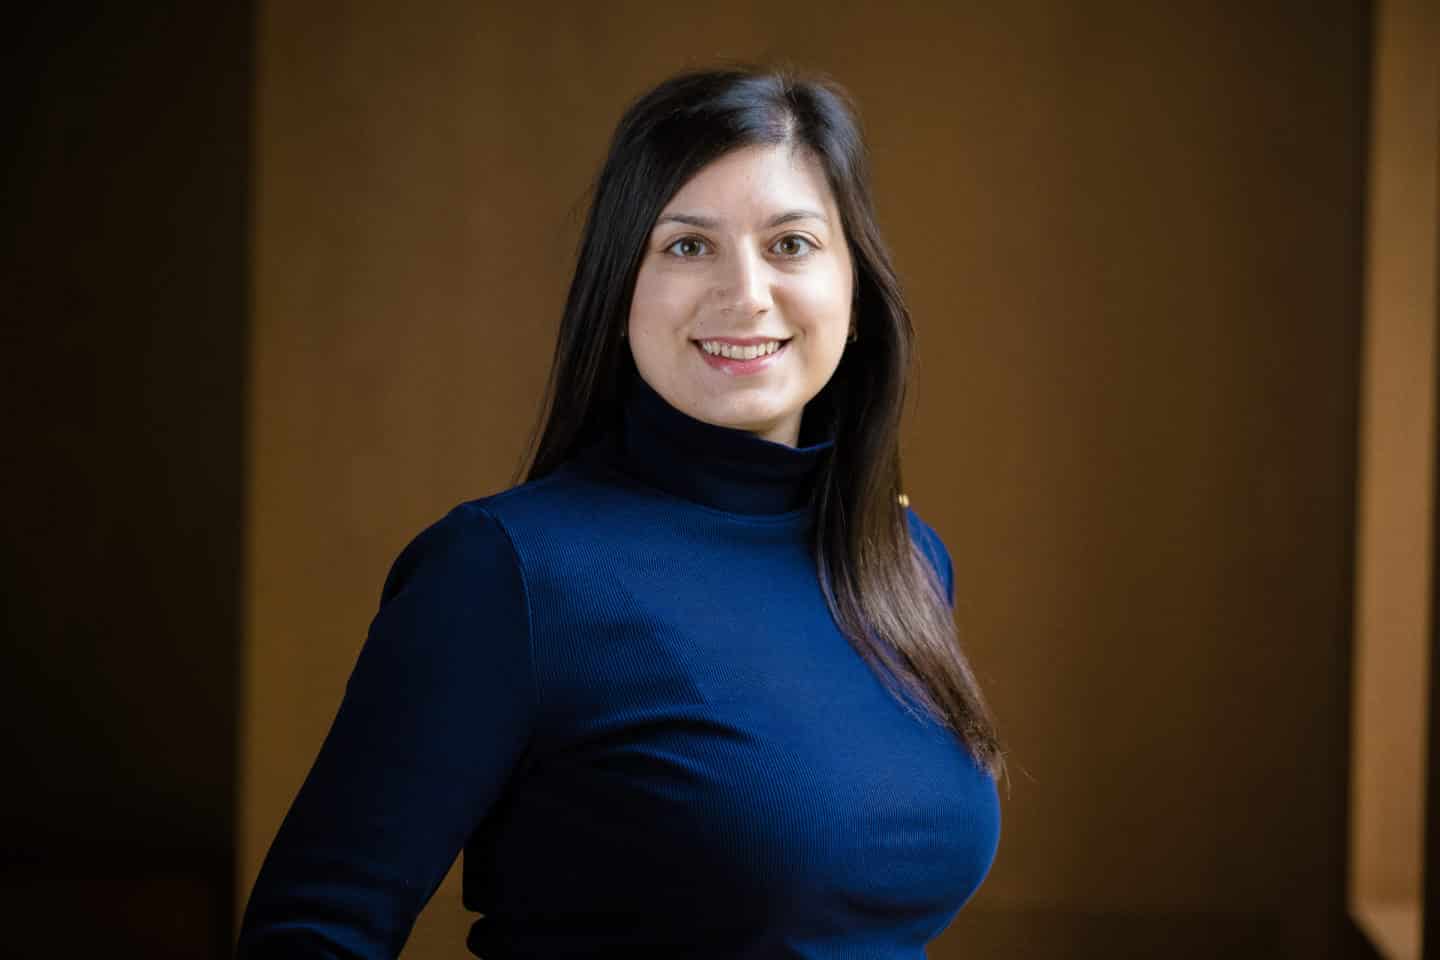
692 688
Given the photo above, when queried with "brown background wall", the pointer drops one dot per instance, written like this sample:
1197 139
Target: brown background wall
1395 626
1132 238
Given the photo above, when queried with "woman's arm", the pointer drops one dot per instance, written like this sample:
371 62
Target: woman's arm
436 714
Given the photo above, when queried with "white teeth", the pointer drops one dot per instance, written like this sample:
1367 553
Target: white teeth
719 349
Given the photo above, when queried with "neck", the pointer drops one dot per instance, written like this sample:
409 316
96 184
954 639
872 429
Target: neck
723 468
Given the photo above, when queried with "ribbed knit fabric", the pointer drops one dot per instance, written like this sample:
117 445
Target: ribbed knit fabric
620 691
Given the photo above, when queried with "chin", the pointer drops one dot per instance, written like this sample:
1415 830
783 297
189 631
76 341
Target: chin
756 419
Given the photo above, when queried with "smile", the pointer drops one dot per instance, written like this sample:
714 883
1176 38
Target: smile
736 360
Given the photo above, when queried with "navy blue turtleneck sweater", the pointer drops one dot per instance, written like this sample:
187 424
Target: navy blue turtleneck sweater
619 690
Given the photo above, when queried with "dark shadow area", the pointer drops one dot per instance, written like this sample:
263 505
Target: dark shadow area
1153 935
125 210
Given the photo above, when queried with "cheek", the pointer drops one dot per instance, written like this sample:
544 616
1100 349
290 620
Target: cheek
661 300
824 302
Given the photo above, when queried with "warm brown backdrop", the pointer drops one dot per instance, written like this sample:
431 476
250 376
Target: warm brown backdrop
1132 239
1395 606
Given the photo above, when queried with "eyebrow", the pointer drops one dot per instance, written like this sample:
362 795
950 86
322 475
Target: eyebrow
710 223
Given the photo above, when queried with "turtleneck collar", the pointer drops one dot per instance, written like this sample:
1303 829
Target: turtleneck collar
724 468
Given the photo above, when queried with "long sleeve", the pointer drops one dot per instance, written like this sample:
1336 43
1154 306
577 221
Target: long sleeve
437 713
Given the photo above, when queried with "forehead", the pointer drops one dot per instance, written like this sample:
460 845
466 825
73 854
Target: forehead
755 180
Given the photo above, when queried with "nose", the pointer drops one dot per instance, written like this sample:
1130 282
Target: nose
745 287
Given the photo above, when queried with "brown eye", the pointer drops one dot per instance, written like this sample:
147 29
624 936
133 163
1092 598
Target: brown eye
686 247
793 245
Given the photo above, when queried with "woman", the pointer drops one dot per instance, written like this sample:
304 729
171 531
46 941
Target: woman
692 689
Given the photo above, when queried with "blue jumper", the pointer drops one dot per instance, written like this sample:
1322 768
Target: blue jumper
619 690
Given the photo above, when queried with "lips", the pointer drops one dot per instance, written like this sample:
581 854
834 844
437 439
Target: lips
741 342
739 367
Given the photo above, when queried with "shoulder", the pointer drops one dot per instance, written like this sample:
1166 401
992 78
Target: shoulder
925 535
555 503
932 547
484 538
464 548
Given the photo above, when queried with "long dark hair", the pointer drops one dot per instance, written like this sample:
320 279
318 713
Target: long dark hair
883 593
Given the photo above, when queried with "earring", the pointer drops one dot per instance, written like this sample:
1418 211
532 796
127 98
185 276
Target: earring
854 335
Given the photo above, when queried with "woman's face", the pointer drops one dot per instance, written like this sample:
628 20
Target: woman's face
749 251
